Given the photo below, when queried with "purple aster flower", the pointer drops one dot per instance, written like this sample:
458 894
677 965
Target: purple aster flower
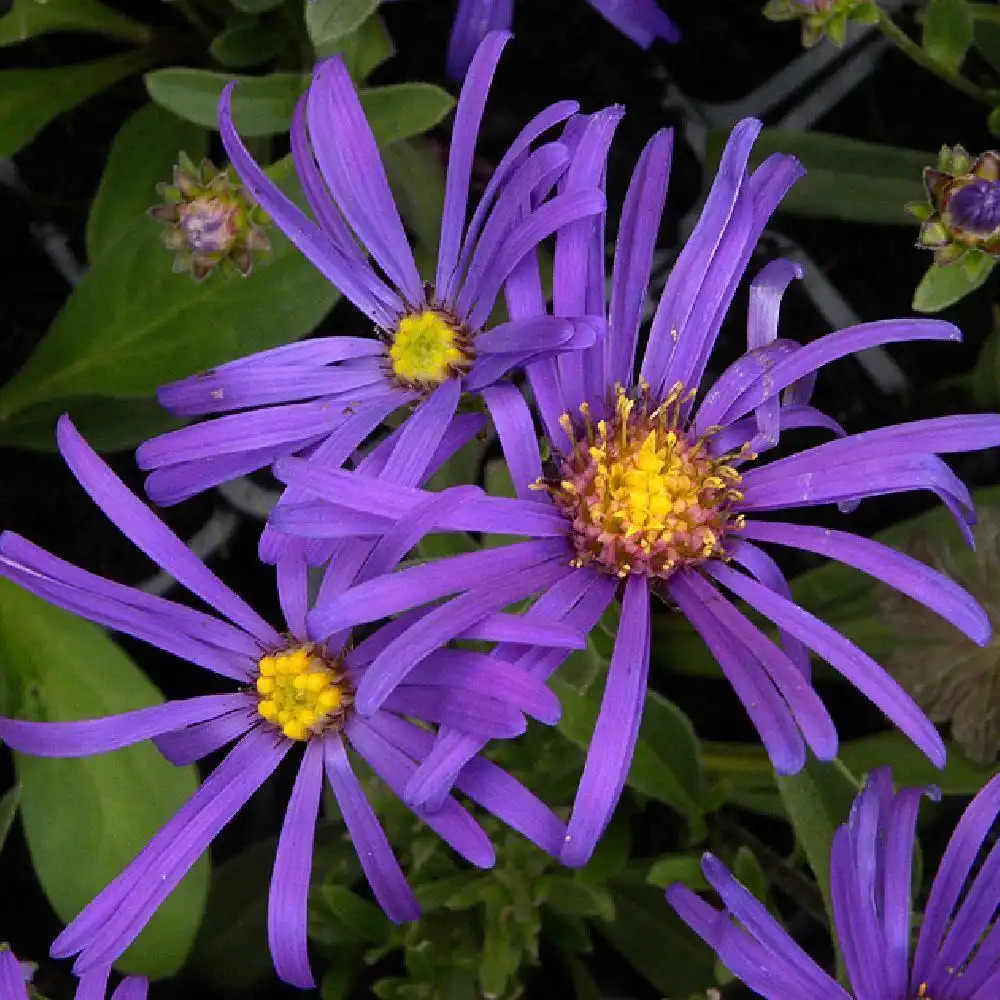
430 342
291 689
640 20
957 953
648 493
93 986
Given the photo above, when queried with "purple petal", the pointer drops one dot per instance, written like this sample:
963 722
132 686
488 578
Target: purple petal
12 986
469 711
856 666
342 270
90 736
474 21
132 988
352 168
293 587
148 533
93 985
640 20
289 892
536 334
451 822
421 436
109 924
790 417
931 588
195 741
514 425
617 728
637 232
518 630
379 864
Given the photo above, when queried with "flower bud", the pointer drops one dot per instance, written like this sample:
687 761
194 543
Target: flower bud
822 18
961 217
212 221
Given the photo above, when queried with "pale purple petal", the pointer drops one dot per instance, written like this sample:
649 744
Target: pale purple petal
516 431
640 20
195 741
421 436
474 20
469 711
12 986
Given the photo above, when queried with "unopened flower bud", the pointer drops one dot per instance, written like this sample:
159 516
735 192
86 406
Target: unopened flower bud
822 18
961 217
213 221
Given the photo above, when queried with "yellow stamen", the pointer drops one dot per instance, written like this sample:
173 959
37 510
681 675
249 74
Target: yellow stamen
427 348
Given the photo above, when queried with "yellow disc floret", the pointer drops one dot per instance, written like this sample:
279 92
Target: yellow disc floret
642 497
428 348
301 692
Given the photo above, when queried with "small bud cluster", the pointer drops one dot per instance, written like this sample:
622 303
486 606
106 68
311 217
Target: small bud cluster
213 221
822 18
961 218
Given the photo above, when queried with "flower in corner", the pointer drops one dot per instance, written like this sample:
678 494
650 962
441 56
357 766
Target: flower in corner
647 494
957 952
431 340
288 691
640 20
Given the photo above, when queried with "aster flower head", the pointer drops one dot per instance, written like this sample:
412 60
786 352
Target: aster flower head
653 486
431 342
961 218
640 20
288 691
957 952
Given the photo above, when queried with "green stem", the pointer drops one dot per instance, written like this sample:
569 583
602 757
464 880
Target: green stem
906 45
985 12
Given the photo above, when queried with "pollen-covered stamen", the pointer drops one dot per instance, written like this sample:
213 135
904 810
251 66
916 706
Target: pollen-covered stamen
302 692
429 347
642 496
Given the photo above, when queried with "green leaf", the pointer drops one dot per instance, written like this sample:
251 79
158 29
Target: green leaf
364 50
31 18
85 819
107 424
9 802
657 944
501 956
571 896
251 44
404 109
255 6
327 21
748 870
143 154
262 105
986 38
943 286
948 31
132 325
662 766
671 868
846 178
817 800
416 176
31 98
363 920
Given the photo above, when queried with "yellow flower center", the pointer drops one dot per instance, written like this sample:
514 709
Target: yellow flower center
301 692
428 348
642 497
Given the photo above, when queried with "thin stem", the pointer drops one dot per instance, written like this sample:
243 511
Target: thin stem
985 12
905 44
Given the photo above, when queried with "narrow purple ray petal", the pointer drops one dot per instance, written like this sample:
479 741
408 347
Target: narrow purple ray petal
191 743
792 417
148 533
322 252
420 584
833 346
486 784
106 927
293 588
640 20
474 21
686 277
538 333
421 436
516 431
471 711
379 864
200 626
757 562
702 918
770 715
464 669
543 222
451 822
786 674
637 232
856 666
446 621
519 630
289 892
93 985
90 736
348 156
616 730
132 988
907 575
12 986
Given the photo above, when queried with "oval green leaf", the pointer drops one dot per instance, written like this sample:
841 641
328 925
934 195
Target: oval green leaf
31 18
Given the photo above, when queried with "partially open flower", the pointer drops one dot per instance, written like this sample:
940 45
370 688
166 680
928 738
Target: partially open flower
961 217
213 221
822 18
